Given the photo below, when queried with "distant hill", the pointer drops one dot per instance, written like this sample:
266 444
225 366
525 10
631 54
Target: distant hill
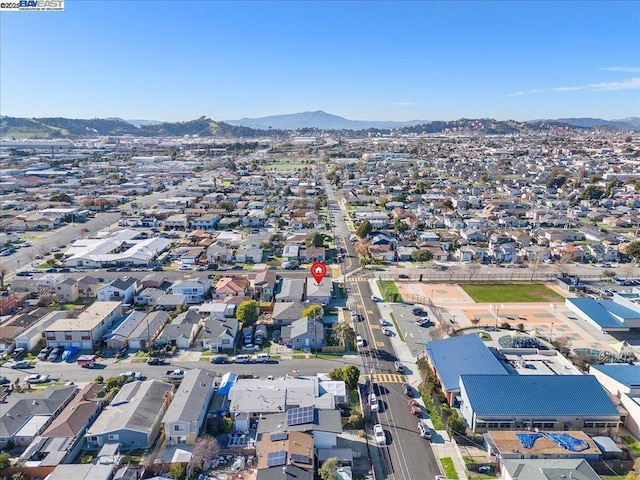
58 127
587 122
318 119
306 123
140 123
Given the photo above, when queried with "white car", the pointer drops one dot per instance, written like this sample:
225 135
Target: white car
37 378
373 402
359 341
386 331
379 435
384 322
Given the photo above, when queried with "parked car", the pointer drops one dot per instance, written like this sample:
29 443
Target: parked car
421 322
219 359
134 375
24 273
4 380
373 402
240 359
55 354
156 361
359 341
386 331
21 364
384 322
44 353
418 311
424 431
18 352
376 299
37 378
414 407
404 276
379 435
407 390
398 366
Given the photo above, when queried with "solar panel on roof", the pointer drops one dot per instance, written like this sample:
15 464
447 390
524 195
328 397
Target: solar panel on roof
298 416
296 457
275 459
274 437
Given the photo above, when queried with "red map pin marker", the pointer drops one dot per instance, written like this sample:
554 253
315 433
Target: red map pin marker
318 271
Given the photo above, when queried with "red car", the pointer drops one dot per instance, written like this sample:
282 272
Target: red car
414 407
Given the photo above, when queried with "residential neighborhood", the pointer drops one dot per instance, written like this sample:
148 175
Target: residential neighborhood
481 305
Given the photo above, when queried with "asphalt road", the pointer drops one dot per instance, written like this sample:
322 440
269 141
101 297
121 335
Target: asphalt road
109 367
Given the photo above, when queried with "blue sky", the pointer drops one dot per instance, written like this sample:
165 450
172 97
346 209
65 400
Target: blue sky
364 60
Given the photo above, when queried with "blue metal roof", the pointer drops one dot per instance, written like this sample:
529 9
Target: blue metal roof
624 373
537 395
454 356
602 312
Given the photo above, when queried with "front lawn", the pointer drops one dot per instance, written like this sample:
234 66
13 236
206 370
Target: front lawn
511 293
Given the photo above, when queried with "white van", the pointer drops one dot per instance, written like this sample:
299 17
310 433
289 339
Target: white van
241 359
261 358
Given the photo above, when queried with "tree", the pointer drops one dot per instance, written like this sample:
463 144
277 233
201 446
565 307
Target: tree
364 229
475 321
633 250
4 460
351 375
329 469
400 226
314 311
176 471
343 333
204 450
247 312
592 192
314 239
422 255
337 374
3 272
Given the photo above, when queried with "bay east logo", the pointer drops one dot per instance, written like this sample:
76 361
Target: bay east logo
32 5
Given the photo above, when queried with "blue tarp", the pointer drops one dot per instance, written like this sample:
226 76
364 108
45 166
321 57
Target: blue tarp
228 380
564 440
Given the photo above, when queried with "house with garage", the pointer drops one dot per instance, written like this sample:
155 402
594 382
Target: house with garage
219 335
147 330
291 290
121 289
185 418
119 337
133 418
182 331
231 286
304 333
24 416
319 293
264 285
194 289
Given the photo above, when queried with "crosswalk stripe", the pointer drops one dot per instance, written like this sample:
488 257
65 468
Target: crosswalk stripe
385 377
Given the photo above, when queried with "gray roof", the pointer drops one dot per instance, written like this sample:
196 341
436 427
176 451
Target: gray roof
189 317
550 469
323 421
20 407
291 288
150 325
123 283
135 407
173 331
464 354
306 325
191 397
287 310
293 472
214 328
82 472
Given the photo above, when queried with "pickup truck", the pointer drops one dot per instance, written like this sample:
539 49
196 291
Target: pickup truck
176 374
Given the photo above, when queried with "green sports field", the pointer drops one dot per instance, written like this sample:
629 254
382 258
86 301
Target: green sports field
509 293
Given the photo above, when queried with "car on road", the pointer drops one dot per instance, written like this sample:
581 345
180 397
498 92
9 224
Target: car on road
219 359
399 367
157 269
24 273
37 378
21 364
379 435
359 341
403 276
376 299
184 267
424 431
112 269
414 407
407 390
134 375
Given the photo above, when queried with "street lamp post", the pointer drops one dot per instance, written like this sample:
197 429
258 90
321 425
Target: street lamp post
551 334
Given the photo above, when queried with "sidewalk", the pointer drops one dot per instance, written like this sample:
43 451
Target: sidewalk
440 443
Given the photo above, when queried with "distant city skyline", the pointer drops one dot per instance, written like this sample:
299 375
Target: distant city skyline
362 60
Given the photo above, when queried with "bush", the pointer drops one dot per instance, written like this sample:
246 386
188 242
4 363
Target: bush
505 325
4 460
